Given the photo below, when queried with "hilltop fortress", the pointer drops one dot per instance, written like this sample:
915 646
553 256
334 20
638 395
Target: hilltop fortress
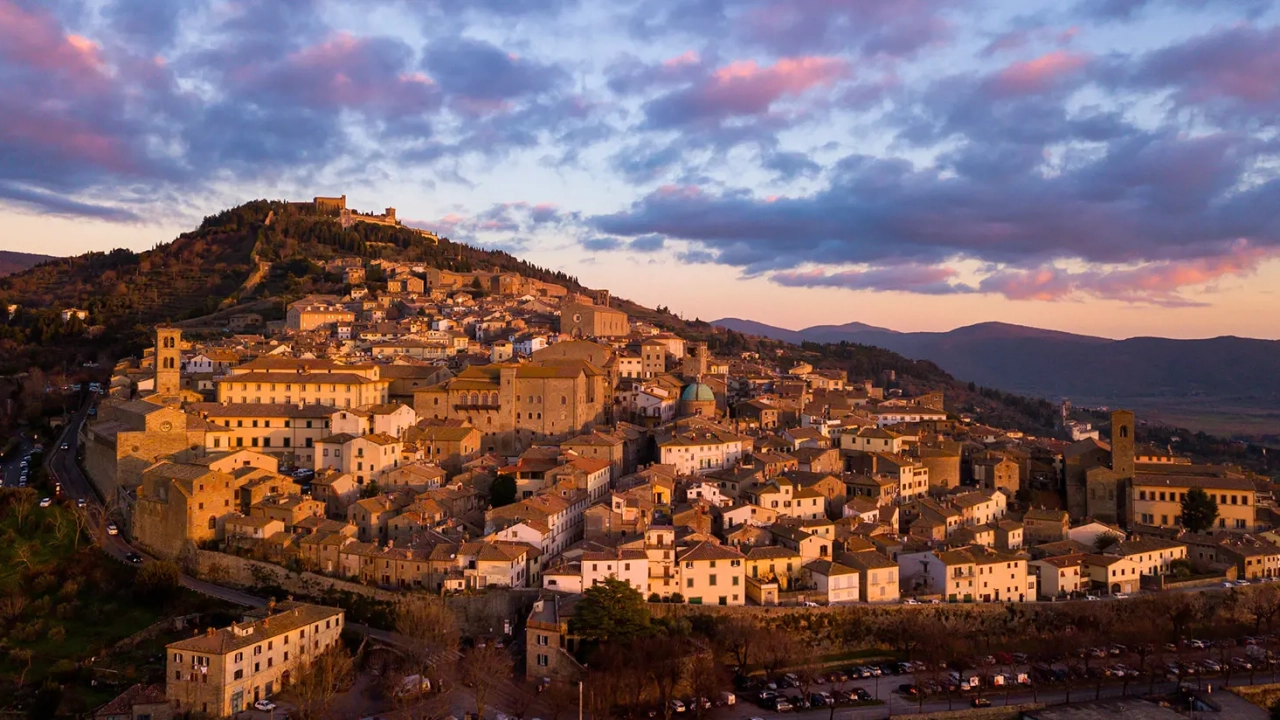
337 207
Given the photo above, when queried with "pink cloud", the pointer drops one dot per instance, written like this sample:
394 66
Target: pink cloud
688 57
745 88
1157 283
1039 74
36 39
345 71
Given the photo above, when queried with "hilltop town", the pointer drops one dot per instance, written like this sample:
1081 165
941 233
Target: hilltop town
455 432
433 429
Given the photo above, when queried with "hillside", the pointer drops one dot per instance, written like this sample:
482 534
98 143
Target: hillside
283 247
13 262
1226 385
200 272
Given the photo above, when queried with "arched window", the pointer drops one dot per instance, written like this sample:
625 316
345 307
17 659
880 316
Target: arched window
1124 431
564 400
475 398
213 523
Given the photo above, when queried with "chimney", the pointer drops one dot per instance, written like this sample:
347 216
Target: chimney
209 632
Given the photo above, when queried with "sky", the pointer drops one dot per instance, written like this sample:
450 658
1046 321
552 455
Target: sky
1109 167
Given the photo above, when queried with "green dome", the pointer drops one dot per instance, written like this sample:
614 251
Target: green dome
697 392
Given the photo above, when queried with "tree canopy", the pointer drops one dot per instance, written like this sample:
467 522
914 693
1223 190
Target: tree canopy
502 491
611 610
1199 510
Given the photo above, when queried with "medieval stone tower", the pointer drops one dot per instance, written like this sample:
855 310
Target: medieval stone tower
694 362
1122 452
168 361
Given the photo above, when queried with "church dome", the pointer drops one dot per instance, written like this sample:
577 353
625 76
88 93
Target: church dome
697 392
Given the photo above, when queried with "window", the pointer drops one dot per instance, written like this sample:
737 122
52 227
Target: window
239 674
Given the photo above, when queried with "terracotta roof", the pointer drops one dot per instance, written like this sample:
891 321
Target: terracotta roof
287 617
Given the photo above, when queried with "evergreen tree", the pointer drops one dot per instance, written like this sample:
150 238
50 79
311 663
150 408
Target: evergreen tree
1199 510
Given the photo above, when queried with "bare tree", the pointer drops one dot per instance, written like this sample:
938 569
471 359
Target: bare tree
23 504
664 656
484 668
737 638
60 525
83 521
21 656
320 681
1262 605
22 553
11 606
559 697
431 634
704 680
778 651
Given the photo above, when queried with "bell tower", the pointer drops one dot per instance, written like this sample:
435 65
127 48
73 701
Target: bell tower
168 361
1122 443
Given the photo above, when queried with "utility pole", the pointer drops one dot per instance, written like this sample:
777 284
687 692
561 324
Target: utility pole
579 700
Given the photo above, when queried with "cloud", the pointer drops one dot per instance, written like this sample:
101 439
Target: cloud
1230 72
1130 9
601 244
479 77
743 88
910 277
51 204
1039 74
1157 283
647 244
1146 198
372 76
880 28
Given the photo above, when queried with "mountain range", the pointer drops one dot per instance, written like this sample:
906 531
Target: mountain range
1224 384
14 262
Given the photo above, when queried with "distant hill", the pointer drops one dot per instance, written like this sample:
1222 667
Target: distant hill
13 262
1224 384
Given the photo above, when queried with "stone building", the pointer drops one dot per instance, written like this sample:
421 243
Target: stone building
587 321
128 437
168 361
223 672
182 502
513 405
307 382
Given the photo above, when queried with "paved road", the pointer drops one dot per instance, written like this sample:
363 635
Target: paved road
12 470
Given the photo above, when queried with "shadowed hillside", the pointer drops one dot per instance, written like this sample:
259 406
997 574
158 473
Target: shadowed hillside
12 262
1224 384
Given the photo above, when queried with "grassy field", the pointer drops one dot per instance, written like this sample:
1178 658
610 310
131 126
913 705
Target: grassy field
61 605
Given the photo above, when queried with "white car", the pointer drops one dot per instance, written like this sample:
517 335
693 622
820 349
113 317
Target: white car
677 706
264 705
112 529
1121 596
81 502
46 502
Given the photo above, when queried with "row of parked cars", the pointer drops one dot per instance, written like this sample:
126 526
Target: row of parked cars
779 701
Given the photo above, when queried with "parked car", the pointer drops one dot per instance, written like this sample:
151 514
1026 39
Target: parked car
862 695
677 706
134 558
112 529
908 689
781 705
45 502
980 702
264 705
80 502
